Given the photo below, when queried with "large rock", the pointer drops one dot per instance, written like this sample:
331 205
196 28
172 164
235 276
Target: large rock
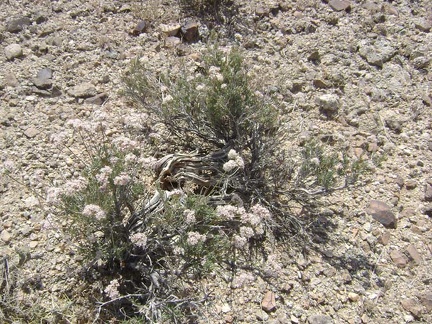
83 90
328 103
381 212
13 51
378 52
190 31
43 79
339 5
18 24
398 258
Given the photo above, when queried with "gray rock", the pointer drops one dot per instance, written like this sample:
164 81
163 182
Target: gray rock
428 193
13 51
413 306
426 300
141 27
328 103
83 90
320 319
421 62
18 24
423 25
339 5
43 79
171 42
377 53
381 212
99 99
31 132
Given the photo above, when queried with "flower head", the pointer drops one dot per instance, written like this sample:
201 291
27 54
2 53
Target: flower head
194 238
112 289
94 211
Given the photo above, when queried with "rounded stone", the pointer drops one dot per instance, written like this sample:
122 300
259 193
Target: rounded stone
13 51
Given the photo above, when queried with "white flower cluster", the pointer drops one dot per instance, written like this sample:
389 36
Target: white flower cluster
73 186
103 176
242 279
94 211
112 289
234 162
139 239
189 216
122 179
194 238
252 221
125 144
214 73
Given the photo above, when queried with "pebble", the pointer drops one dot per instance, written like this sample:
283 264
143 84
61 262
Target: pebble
339 5
31 132
268 303
33 244
170 30
376 53
5 236
423 25
353 296
18 24
381 212
428 193
414 254
398 258
13 51
83 90
328 103
411 305
320 319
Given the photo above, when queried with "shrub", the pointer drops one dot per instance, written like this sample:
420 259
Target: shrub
205 210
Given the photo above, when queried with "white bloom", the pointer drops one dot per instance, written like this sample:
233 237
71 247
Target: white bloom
246 232
112 289
53 196
239 242
122 179
189 216
139 239
94 211
194 238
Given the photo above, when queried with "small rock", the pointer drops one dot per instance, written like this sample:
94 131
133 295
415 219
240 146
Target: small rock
171 42
40 17
428 193
43 79
320 83
13 51
18 24
414 254
83 90
190 31
410 184
268 303
320 319
5 236
141 27
353 296
398 258
31 132
339 5
170 30
262 12
411 305
328 103
377 53
226 308
399 181
384 238
426 300
99 99
423 25
381 212
33 244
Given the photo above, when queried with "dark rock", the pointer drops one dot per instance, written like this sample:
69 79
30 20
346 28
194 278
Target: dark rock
398 258
428 193
339 5
18 24
96 100
399 181
427 210
40 17
320 319
141 27
410 184
381 212
190 31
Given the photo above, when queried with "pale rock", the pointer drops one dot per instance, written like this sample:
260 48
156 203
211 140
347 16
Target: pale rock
5 236
414 254
13 51
398 258
328 103
83 90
